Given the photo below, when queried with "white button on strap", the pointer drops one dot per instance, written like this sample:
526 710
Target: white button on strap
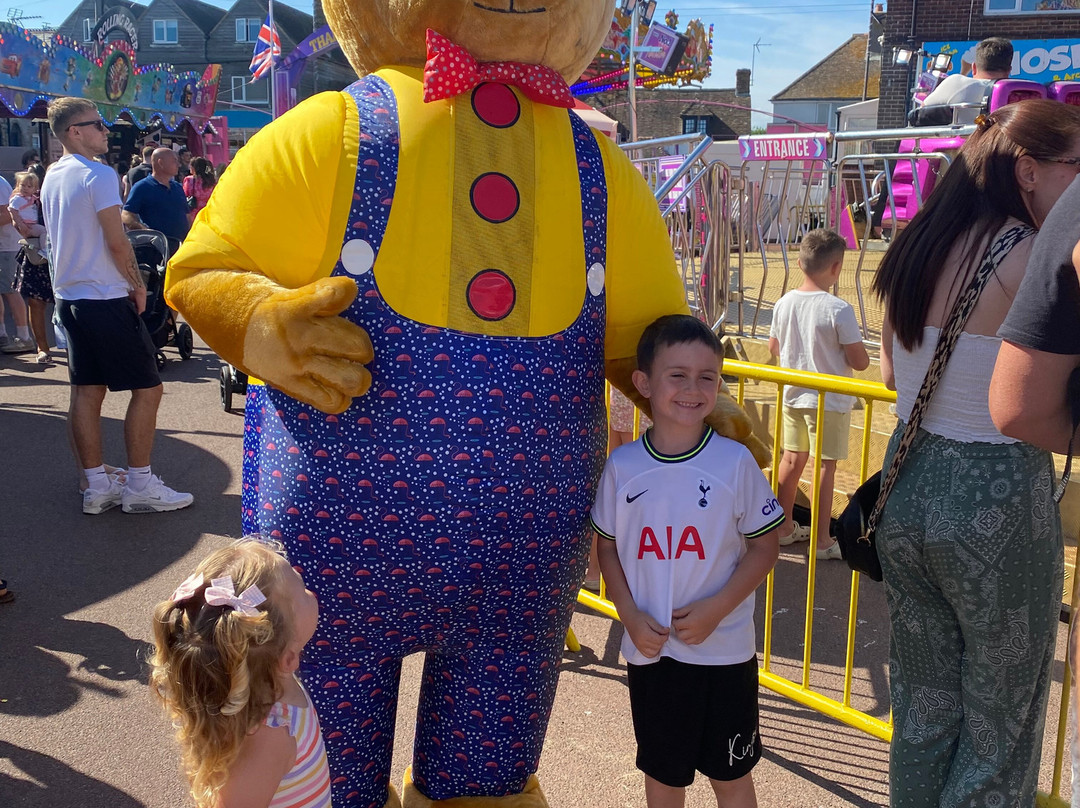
357 256
595 279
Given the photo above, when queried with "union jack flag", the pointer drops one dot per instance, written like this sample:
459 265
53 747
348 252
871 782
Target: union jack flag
264 53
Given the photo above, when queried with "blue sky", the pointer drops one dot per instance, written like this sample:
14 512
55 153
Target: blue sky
794 34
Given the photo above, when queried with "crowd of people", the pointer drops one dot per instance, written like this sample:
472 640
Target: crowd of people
99 293
970 539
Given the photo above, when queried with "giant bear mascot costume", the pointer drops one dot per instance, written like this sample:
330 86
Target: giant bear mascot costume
433 271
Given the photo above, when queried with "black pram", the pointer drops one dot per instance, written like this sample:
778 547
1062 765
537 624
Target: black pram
152 254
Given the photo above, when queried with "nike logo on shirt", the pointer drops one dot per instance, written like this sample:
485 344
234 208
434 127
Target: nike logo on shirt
630 499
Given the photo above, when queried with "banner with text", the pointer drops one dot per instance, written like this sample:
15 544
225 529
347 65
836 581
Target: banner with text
1041 60
32 71
785 147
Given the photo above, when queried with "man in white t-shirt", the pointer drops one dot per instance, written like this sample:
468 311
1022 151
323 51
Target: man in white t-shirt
22 341
815 331
993 61
100 294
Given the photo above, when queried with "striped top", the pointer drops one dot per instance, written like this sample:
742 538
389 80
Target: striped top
307 785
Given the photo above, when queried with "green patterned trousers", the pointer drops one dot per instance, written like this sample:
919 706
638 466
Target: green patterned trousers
971 548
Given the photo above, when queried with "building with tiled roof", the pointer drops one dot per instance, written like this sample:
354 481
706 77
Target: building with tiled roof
190 34
723 114
841 78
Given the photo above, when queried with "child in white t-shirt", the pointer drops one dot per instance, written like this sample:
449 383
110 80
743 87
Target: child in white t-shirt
814 330
687 530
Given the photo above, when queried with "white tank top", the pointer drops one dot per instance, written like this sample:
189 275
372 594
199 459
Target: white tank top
960 408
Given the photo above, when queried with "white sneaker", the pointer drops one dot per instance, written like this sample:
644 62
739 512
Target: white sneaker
830 553
799 533
156 497
95 502
18 345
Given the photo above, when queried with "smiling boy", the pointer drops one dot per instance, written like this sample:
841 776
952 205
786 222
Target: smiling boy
691 529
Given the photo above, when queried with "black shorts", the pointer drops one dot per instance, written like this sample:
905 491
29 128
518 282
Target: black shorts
691 718
108 344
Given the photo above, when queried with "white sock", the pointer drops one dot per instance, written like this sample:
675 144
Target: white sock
97 479
23 332
138 477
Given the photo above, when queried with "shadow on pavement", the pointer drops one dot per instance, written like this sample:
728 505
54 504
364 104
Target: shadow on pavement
40 781
55 650
588 663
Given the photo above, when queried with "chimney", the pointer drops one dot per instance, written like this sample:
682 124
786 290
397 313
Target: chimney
742 82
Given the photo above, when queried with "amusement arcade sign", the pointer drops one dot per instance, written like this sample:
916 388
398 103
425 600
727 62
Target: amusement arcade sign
119 19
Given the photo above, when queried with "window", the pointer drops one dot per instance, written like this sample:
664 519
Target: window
826 114
247 29
695 124
1030 7
87 27
244 92
165 32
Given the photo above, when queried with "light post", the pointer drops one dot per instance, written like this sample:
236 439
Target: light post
641 12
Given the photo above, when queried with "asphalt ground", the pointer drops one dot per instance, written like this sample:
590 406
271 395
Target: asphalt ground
78 726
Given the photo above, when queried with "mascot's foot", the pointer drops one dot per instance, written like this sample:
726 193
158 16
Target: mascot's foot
392 798
530 797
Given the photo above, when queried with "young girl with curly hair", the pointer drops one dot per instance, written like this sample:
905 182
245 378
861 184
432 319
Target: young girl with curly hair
226 646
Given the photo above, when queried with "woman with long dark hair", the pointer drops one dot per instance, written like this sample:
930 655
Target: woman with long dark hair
970 539
199 184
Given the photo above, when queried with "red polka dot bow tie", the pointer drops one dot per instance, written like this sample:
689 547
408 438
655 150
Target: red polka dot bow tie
451 70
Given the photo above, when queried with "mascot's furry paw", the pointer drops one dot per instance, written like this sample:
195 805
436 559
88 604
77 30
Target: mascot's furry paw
297 342
530 797
731 421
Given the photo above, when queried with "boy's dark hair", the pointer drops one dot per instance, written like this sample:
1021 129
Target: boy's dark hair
994 55
673 329
820 249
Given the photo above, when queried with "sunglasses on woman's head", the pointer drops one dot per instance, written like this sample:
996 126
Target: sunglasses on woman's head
98 124
1069 161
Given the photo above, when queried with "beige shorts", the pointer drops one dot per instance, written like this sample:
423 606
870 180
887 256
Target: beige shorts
800 432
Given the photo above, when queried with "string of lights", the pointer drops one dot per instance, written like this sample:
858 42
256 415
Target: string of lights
118 54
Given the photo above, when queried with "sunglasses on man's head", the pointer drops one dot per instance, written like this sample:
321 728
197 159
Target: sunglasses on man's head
98 124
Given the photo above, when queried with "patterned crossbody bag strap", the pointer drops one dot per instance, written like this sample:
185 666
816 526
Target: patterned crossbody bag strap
958 318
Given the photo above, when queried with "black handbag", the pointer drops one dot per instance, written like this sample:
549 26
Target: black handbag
859 520
857 545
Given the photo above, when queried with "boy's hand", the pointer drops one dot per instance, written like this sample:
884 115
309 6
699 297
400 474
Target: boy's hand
694 622
647 635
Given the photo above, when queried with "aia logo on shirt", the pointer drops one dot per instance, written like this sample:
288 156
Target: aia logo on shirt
689 543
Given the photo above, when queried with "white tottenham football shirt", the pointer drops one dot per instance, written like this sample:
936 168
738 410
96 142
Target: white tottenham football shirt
680 524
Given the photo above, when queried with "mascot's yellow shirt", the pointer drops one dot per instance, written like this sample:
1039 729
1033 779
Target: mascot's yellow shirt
282 207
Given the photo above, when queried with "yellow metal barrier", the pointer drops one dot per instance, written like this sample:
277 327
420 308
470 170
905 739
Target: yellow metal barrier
870 393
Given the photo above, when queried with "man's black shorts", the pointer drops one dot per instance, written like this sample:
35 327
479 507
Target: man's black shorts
108 344
691 718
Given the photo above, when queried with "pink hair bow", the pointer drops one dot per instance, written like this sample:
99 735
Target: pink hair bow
188 588
222 593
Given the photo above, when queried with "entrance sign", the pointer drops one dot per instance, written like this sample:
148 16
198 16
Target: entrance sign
811 146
